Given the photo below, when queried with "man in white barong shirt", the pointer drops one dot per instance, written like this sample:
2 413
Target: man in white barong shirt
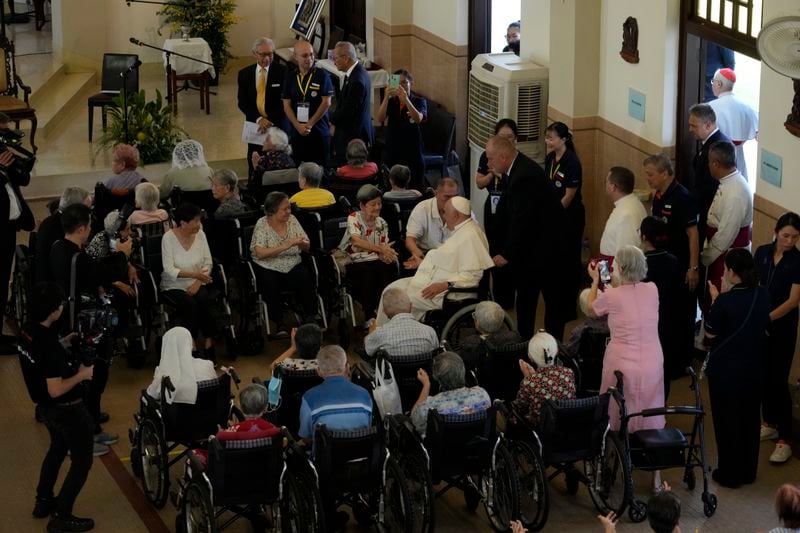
459 262
730 217
735 118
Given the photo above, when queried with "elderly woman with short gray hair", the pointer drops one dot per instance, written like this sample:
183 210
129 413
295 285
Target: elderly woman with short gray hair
276 153
634 349
225 189
357 167
454 397
490 327
277 244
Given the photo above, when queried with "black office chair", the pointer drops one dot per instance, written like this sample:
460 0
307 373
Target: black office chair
111 85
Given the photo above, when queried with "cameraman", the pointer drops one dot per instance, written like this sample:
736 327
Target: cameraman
91 278
15 215
56 383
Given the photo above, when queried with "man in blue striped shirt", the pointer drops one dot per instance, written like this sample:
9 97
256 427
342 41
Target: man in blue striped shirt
336 402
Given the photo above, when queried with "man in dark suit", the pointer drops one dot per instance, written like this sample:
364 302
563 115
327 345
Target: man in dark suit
16 216
703 125
259 95
530 223
351 117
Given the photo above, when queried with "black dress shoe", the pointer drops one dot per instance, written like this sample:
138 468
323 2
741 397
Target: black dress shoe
68 524
44 507
723 480
103 418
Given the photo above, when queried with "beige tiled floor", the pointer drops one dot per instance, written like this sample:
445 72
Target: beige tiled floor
68 158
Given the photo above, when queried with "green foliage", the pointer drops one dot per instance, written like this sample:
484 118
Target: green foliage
210 21
151 127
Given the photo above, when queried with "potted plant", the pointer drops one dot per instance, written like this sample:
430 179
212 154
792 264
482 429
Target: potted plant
151 127
212 20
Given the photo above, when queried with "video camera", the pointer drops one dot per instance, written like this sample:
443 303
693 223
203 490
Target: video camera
23 158
94 325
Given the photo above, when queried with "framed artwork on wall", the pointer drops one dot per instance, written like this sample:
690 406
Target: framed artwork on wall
306 16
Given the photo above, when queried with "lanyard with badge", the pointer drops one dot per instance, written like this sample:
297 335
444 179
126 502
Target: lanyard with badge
494 195
304 107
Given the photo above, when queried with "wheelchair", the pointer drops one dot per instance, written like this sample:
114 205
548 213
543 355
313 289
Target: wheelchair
162 427
22 280
107 200
357 469
203 199
156 304
467 452
404 368
295 382
261 476
659 449
454 322
569 431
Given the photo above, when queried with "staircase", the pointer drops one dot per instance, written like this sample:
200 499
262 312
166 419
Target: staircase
57 97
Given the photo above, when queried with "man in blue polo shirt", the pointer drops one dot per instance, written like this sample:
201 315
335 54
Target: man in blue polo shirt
336 402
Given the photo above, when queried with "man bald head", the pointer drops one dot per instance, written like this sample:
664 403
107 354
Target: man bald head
304 56
500 153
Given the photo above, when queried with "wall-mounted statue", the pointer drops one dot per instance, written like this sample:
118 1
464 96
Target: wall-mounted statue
630 41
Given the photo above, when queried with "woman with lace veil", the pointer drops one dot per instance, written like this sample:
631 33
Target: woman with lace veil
189 169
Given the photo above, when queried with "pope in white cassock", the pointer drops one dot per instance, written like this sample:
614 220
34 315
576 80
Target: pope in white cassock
735 118
459 262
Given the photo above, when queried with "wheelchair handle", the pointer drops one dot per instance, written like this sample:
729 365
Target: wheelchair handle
234 375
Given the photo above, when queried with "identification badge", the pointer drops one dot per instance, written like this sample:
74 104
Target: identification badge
494 199
558 184
302 112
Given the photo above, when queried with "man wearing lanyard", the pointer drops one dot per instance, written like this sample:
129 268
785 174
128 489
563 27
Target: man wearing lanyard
306 99
259 94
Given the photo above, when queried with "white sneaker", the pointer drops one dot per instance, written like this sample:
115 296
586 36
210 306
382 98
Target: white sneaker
768 432
782 453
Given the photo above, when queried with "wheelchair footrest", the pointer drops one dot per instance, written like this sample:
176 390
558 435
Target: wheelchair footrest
658 448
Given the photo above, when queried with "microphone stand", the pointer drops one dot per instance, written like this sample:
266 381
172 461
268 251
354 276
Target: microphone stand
125 74
168 54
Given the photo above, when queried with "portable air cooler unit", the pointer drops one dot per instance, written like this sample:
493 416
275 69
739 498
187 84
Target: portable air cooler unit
505 86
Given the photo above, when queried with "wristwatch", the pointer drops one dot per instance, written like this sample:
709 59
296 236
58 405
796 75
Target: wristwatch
450 285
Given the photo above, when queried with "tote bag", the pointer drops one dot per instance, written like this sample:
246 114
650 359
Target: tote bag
386 392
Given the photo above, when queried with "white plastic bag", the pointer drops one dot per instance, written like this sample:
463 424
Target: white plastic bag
386 392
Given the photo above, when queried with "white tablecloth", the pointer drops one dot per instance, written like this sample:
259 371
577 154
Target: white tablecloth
196 47
379 78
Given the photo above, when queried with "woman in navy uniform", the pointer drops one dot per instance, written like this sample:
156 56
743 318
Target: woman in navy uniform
404 113
306 98
778 266
736 324
485 178
563 168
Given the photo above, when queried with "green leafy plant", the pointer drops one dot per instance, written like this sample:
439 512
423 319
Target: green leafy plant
151 127
212 20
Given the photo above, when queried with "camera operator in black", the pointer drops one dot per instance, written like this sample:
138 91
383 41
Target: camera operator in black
56 383
91 278
15 215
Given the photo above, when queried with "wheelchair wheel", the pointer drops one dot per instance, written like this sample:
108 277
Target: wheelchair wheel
472 497
197 511
502 501
534 491
398 511
154 462
299 512
637 511
421 493
709 504
610 484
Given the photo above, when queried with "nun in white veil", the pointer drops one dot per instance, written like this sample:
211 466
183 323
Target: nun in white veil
189 169
183 370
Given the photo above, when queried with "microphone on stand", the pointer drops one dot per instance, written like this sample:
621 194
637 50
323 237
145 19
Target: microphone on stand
130 69
135 41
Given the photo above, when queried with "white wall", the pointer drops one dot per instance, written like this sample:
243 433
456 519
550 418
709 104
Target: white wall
775 103
655 75
446 18
535 21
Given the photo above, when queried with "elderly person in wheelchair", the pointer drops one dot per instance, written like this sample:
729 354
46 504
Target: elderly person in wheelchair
543 381
183 370
459 262
490 327
454 396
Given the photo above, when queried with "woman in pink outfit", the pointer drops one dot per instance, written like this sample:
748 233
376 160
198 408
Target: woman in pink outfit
634 349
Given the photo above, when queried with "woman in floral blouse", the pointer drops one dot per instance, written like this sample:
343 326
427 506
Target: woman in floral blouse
374 261
278 241
544 381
